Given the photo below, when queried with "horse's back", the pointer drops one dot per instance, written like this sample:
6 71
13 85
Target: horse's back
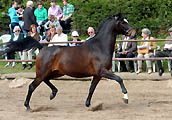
72 61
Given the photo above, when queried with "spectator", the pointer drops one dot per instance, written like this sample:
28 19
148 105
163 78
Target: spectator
91 32
52 20
55 10
41 15
59 37
28 16
13 16
127 50
146 50
51 33
17 35
27 55
68 11
20 12
75 38
167 52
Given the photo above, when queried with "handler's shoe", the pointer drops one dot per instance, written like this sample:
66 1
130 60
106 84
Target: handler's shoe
24 66
8 64
30 66
13 64
161 71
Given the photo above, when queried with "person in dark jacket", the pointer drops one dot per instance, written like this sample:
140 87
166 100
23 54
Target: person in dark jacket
28 16
127 50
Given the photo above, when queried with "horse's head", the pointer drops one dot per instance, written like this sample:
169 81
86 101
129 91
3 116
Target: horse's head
122 26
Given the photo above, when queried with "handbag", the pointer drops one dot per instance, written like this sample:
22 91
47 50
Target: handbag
143 51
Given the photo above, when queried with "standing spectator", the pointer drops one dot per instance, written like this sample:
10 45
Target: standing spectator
167 52
127 50
51 33
41 15
68 11
55 10
28 16
17 35
91 32
146 50
13 16
20 12
75 38
27 55
59 37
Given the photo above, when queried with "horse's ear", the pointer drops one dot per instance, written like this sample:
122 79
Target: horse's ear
118 16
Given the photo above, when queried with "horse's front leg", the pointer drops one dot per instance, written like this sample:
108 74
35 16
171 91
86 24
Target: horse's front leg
93 85
107 74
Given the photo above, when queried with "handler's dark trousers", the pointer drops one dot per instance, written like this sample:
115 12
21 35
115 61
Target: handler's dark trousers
165 53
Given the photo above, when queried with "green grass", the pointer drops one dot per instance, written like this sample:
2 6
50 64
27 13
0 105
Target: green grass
16 69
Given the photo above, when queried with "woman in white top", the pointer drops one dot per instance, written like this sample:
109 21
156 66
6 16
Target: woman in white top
59 37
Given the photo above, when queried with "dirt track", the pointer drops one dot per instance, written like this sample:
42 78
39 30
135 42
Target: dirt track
148 100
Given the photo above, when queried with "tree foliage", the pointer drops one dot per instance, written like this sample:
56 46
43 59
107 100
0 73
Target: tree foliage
153 14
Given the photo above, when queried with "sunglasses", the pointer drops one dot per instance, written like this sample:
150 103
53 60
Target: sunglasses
75 36
17 31
90 32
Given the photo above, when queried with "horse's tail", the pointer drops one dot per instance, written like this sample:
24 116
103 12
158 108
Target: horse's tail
20 45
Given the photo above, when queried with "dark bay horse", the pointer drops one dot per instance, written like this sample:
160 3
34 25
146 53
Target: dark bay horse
92 58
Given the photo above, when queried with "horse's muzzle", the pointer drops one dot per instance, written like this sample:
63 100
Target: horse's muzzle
132 33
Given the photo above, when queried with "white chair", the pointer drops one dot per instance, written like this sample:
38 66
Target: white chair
5 38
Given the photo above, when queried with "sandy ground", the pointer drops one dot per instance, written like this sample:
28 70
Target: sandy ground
148 100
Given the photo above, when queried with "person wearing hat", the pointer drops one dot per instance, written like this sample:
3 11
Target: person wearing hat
16 35
75 38
166 52
145 50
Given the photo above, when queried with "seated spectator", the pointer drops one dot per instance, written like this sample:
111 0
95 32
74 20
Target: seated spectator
55 10
75 38
41 15
145 50
127 50
17 35
167 52
50 33
68 11
52 20
59 37
27 55
91 33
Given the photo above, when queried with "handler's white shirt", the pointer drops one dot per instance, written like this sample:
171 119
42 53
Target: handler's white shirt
59 38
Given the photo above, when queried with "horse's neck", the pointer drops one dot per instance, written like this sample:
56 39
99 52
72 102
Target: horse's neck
106 40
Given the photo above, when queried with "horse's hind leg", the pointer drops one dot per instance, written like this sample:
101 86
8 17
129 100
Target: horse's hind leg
53 88
94 83
32 87
107 74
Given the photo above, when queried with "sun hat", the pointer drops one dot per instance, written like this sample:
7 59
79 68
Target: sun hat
146 31
75 33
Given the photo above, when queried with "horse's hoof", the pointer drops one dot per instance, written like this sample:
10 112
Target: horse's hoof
125 98
87 104
28 109
53 94
125 101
